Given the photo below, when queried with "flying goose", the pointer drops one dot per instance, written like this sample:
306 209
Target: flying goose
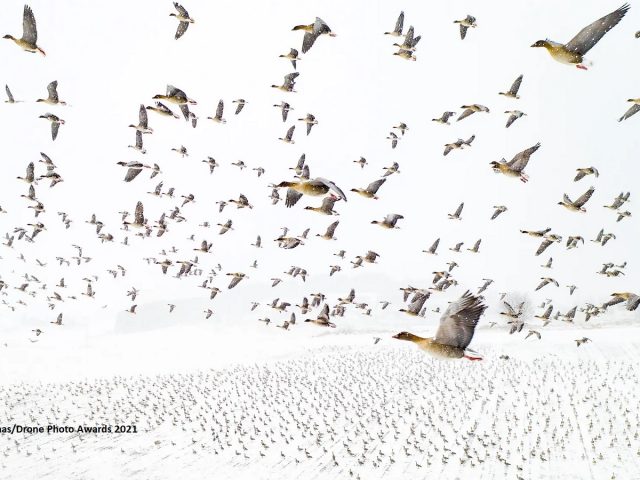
515 167
397 30
52 99
310 120
218 117
177 97
546 281
328 235
497 211
389 221
457 326
371 190
432 249
323 318
139 146
55 123
316 187
240 103
162 109
287 86
513 116
183 17
416 305
578 205
143 121
513 91
632 300
291 56
458 144
236 278
139 220
633 109
284 108
409 44
28 41
288 138
466 23
471 109
573 52
444 119
327 206
10 98
583 172
457 213
312 32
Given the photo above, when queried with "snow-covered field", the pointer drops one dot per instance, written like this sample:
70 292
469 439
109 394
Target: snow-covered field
336 406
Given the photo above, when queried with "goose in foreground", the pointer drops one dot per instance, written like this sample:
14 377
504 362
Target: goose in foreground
633 109
457 326
143 121
583 172
371 190
513 91
292 56
288 84
219 110
471 109
397 30
183 17
52 99
466 23
28 41
632 300
578 205
55 123
573 52
323 318
515 167
312 32
316 187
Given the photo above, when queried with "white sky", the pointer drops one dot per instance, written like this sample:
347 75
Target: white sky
109 58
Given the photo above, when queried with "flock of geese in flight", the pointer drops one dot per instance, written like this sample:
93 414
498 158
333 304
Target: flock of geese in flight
462 315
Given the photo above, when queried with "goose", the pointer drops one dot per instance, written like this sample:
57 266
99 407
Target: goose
466 23
240 103
513 91
212 163
328 235
288 138
162 109
323 318
397 30
284 108
55 123
471 109
497 211
10 98
52 99
218 117
236 278
583 172
28 41
371 190
326 207
546 281
316 187
394 168
632 299
389 221
177 97
578 205
139 220
292 56
432 249
184 19
513 116
515 167
573 52
444 119
310 120
133 169
416 304
457 326
287 86
29 176
633 109
457 213
143 121
139 146
242 202
409 44
312 32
